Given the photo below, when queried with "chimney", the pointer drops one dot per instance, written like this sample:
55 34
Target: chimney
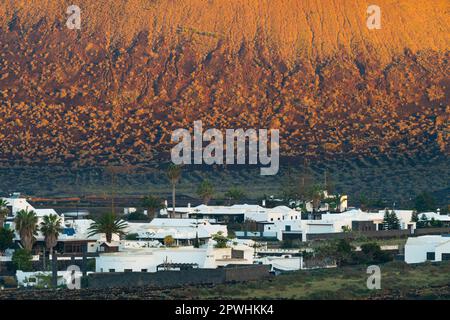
189 205
264 203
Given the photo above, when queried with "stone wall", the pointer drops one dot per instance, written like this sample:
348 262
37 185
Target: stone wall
167 279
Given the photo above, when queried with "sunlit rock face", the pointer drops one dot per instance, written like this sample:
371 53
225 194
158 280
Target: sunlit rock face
113 91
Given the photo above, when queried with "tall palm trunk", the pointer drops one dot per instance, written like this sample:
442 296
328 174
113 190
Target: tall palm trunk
43 261
173 201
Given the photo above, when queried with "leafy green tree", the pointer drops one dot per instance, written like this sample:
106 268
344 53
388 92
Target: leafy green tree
425 202
108 224
373 254
131 236
50 228
334 202
340 251
221 240
436 223
174 175
6 241
22 260
136 216
234 194
152 204
3 212
423 222
205 191
26 225
346 229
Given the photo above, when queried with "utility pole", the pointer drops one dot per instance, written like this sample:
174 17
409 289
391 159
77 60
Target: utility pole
113 184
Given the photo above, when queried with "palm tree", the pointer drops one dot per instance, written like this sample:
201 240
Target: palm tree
109 225
152 204
174 175
206 191
3 212
26 225
50 228
235 193
6 241
316 196
335 202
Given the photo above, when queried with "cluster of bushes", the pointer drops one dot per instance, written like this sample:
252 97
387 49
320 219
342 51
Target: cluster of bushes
343 253
136 216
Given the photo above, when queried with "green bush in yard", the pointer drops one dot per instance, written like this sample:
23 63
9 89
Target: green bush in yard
131 236
90 265
372 254
22 260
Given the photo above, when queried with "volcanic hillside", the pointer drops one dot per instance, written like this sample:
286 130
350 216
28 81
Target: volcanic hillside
112 92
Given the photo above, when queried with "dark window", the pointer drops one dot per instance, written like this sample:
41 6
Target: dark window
128 270
112 270
73 248
143 270
445 256
288 228
431 256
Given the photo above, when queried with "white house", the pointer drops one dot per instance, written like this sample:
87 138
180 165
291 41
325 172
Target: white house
183 231
279 213
436 216
155 259
427 248
16 204
333 223
236 213
74 237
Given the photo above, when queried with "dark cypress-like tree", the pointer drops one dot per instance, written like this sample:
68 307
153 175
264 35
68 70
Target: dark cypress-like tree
197 241
415 216
394 222
386 220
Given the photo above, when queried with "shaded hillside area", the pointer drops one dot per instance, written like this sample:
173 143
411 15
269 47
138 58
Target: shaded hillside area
385 180
112 92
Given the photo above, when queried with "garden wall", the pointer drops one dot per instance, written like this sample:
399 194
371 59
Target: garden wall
168 279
